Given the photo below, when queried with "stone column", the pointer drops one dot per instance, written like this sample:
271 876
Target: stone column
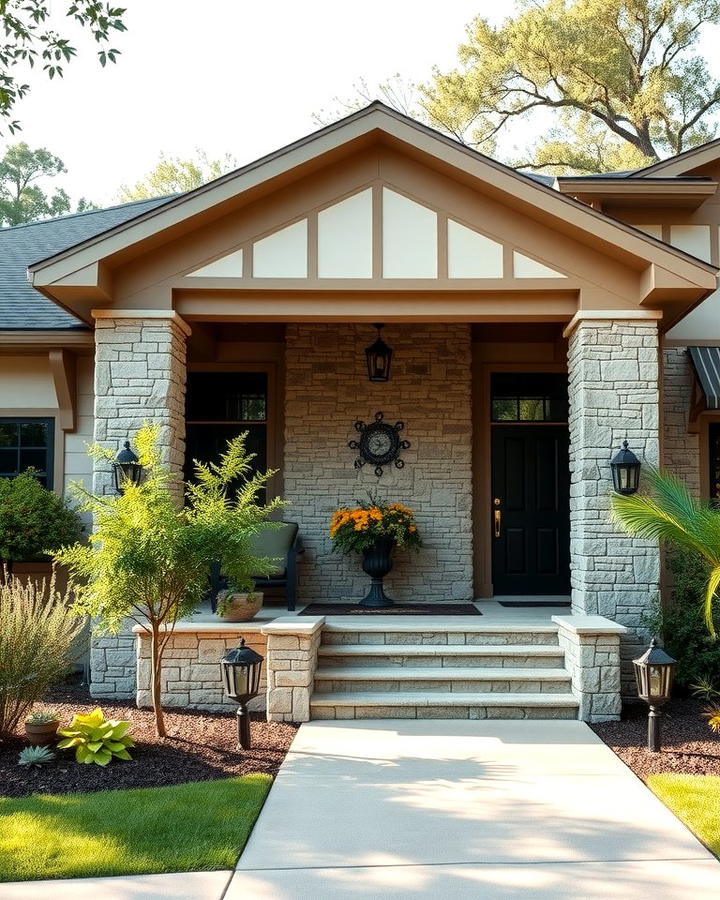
140 373
614 396
292 647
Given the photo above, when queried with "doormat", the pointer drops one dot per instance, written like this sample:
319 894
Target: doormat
399 609
525 604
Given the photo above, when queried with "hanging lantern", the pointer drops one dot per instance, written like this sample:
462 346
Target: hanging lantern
379 357
625 468
126 467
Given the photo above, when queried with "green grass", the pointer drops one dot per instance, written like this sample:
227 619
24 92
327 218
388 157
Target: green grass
695 800
198 826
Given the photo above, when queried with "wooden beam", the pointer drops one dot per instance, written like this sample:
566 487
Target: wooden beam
64 373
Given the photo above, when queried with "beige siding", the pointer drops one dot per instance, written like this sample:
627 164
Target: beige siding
26 383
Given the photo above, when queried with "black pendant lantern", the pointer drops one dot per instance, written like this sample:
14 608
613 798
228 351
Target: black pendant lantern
379 357
625 471
241 679
126 467
654 672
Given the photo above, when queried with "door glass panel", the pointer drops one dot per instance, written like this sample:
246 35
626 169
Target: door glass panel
529 397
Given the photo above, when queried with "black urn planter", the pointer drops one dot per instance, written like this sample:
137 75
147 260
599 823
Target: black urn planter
377 562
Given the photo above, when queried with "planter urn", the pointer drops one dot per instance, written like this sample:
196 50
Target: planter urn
42 735
238 607
377 562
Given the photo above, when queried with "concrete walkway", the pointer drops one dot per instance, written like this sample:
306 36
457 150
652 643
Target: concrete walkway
456 809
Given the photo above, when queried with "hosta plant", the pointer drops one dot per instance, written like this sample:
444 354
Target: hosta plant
35 756
97 739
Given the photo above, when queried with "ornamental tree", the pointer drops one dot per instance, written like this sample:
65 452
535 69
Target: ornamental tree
148 559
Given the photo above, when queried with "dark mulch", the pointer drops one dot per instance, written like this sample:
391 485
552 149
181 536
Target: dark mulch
398 609
688 745
200 747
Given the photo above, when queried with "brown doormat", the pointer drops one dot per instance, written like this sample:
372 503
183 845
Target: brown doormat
399 609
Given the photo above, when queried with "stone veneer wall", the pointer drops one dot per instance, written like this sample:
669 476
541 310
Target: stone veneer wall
614 395
191 666
681 448
592 656
327 389
140 372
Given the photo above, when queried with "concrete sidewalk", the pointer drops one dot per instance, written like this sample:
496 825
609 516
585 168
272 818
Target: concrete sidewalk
465 809
457 809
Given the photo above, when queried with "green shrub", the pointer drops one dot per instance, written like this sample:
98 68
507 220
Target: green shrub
97 739
682 624
34 522
37 630
35 756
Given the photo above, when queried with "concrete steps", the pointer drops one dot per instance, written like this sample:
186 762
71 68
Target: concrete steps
455 668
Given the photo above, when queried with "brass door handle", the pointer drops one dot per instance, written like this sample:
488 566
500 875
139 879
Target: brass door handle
498 522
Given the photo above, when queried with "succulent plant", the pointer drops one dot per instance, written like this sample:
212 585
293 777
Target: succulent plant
35 756
42 717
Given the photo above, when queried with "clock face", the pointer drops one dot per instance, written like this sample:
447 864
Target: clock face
379 443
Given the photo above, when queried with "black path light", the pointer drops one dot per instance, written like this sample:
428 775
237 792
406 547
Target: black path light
126 467
625 471
241 678
379 357
654 672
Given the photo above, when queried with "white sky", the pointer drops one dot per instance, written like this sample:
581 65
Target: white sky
230 76
227 76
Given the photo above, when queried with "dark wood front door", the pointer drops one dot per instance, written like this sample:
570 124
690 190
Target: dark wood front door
530 509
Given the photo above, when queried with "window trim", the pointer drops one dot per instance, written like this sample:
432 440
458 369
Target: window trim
49 420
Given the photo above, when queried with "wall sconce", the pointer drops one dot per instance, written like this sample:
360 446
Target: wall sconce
379 357
625 468
126 467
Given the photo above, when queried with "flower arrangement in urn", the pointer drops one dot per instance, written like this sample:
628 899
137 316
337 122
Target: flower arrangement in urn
375 529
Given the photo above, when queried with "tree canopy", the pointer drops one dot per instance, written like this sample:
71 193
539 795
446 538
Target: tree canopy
29 37
622 76
173 175
22 199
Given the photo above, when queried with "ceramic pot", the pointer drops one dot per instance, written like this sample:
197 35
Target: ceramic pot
42 735
239 607
377 562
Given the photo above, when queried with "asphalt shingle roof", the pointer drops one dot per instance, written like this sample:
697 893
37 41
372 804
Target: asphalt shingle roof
21 306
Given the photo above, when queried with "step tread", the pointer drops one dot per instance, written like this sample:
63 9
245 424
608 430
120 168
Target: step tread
430 624
440 650
439 673
441 698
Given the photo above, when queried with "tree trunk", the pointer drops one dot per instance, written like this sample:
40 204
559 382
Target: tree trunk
155 681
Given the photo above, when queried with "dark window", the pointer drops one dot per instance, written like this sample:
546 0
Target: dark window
218 407
529 397
714 433
27 444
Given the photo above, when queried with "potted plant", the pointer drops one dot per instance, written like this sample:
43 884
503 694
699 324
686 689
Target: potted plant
238 606
375 529
41 727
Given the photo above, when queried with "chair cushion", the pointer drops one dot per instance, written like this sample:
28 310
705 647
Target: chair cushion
275 543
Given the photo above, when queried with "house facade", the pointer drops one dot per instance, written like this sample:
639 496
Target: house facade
535 325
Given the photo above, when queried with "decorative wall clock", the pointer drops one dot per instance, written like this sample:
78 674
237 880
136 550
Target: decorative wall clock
379 444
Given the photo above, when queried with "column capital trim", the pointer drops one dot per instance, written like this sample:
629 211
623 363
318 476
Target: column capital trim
169 314
606 315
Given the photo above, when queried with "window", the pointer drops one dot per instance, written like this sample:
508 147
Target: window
27 444
714 457
529 397
221 405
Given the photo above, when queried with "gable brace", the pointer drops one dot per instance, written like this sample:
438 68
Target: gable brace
63 369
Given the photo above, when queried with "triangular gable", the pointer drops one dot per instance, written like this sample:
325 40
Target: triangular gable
682 163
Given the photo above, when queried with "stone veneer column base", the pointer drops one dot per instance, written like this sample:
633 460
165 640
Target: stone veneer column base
592 656
292 648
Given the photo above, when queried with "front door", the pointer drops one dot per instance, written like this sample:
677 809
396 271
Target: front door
530 509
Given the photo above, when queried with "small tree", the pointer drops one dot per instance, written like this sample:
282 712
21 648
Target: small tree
148 560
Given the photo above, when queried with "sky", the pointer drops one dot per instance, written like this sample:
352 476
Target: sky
226 76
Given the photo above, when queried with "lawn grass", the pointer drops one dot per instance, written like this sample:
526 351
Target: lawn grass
695 800
197 826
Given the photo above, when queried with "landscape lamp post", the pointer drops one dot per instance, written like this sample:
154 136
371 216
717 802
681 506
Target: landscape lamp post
654 672
241 679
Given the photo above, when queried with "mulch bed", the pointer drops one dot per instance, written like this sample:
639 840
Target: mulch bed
200 747
398 609
688 745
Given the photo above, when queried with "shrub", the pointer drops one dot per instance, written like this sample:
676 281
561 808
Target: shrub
37 630
35 756
34 522
97 739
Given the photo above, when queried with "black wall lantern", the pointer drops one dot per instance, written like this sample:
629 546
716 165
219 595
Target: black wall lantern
654 672
625 471
126 467
379 357
241 679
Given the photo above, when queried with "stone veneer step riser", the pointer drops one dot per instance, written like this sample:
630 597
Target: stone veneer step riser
425 686
439 638
441 712
514 661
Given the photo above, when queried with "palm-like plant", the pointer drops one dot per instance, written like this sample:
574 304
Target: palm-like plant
670 513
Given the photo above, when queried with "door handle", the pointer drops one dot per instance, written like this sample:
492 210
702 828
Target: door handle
497 517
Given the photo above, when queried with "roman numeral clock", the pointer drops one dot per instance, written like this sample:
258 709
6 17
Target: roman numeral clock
379 444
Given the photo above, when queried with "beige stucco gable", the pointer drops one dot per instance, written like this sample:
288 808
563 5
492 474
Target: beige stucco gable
432 221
